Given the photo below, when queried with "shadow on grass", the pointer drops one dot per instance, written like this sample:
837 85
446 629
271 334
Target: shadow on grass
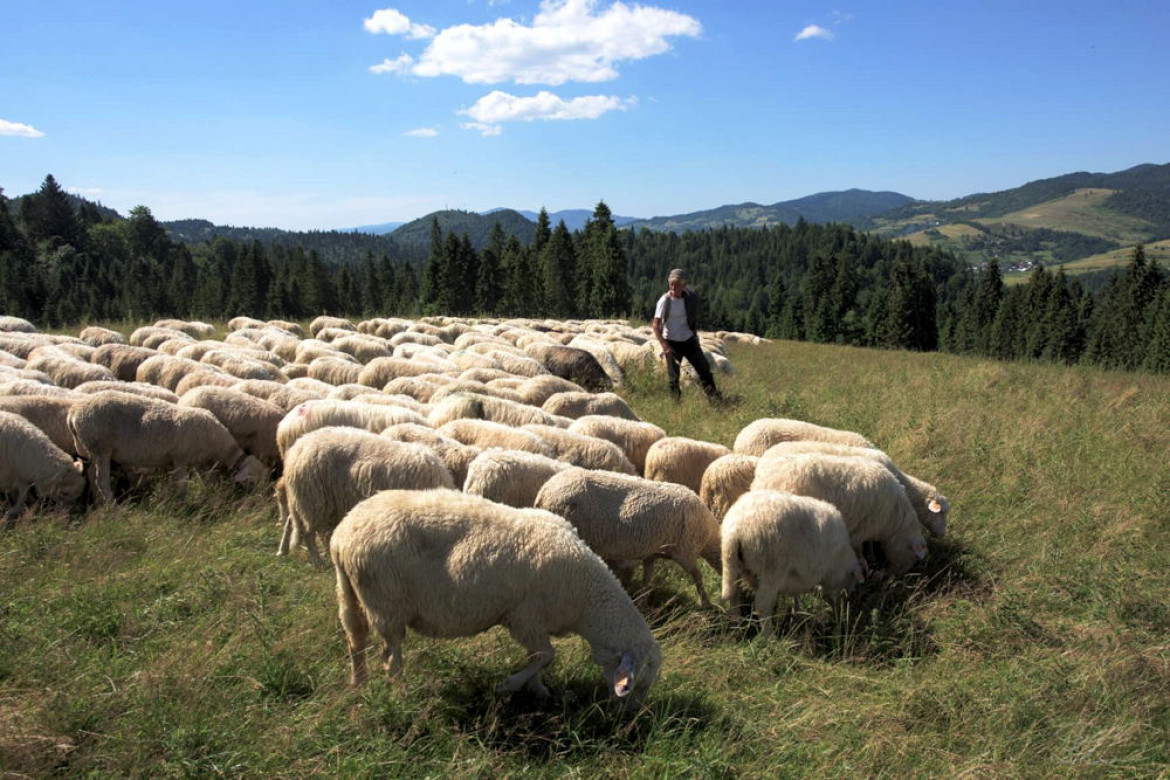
880 622
577 722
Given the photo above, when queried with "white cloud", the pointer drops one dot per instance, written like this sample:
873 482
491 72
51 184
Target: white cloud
422 132
18 129
497 106
814 31
400 65
485 130
569 40
393 22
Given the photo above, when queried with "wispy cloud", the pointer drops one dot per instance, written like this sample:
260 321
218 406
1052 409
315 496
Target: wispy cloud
568 40
496 107
814 31
401 64
422 132
20 130
393 22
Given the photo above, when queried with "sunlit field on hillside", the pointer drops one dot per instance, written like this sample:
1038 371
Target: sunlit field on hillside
164 637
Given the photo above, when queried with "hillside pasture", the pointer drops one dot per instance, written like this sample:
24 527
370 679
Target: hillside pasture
162 637
1082 211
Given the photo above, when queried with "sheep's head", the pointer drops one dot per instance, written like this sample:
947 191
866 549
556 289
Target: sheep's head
935 521
250 471
631 673
904 551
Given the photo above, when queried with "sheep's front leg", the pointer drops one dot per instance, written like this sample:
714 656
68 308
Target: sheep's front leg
13 513
99 477
765 606
540 653
179 479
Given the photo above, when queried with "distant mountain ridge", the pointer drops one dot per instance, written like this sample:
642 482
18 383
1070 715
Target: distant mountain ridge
845 206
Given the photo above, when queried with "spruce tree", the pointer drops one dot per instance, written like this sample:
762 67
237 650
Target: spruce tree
559 270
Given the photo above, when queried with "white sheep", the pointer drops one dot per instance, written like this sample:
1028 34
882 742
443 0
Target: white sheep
777 543
486 434
725 480
448 564
28 460
139 432
511 477
632 436
457 455
872 501
588 452
330 470
122 359
97 336
627 518
579 404
756 437
681 460
312 415
931 506
137 388
479 406
47 412
251 421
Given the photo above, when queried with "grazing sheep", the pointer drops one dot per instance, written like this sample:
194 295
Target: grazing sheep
31 383
511 477
572 363
66 370
725 480
627 518
872 501
681 460
457 455
167 370
335 371
449 564
930 505
605 359
251 421
579 404
321 323
330 470
137 388
632 436
518 364
478 406
588 452
756 437
240 323
312 415
47 412
29 459
96 336
420 388
139 432
122 359
536 390
379 372
779 543
208 378
10 324
199 330
152 337
486 434
364 348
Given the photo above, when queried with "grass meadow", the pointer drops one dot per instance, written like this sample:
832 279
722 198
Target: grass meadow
165 638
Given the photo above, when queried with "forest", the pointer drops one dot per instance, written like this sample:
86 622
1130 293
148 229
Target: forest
65 261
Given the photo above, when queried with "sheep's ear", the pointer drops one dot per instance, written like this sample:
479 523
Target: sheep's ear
623 678
934 506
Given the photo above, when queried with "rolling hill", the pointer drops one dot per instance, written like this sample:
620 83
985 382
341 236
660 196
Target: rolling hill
1083 221
478 227
846 206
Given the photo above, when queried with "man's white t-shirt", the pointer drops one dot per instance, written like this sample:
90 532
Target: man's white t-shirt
674 327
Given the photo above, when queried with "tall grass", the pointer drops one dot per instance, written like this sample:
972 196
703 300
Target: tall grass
164 637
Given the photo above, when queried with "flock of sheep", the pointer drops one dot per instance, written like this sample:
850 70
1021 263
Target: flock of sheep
463 473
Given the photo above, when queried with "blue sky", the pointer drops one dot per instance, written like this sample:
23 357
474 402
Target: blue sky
316 115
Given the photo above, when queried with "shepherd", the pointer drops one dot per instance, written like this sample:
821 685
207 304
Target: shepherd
676 325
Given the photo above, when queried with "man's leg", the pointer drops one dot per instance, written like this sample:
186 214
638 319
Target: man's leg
694 354
672 367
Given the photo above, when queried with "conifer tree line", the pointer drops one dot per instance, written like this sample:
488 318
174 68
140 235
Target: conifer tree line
61 264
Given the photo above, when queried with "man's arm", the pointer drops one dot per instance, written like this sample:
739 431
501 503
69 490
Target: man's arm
656 326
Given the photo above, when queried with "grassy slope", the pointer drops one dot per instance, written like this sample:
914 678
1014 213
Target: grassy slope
166 638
